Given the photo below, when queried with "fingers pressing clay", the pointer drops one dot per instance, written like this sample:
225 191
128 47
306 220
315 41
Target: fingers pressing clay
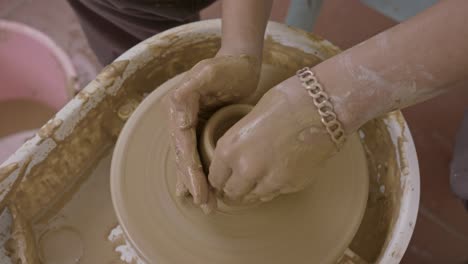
197 184
188 162
219 173
239 185
210 83
185 105
211 205
181 189
266 189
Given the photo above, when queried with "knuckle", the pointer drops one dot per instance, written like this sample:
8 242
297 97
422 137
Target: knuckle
246 161
231 138
270 184
196 172
228 141
213 179
215 182
176 96
268 197
202 63
244 171
232 191
223 151
209 70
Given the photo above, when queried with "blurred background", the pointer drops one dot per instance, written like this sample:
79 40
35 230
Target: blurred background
441 234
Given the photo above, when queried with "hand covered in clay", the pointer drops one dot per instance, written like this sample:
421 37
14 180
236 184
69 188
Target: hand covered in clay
210 84
271 150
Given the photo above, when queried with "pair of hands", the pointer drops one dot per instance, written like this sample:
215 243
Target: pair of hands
256 160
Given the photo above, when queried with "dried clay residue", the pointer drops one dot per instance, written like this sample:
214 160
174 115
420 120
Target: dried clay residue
384 191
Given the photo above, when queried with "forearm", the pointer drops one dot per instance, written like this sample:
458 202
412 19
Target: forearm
243 26
404 65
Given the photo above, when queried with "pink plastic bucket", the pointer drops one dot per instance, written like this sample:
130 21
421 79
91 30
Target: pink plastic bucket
32 68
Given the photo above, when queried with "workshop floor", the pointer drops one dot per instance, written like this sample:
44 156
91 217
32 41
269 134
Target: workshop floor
441 234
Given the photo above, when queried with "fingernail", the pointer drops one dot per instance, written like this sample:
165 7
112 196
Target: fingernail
249 198
183 120
206 209
267 198
196 199
181 190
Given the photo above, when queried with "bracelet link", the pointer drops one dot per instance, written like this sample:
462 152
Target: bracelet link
324 106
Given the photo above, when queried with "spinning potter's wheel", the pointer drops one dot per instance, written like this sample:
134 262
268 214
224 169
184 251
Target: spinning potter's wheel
312 226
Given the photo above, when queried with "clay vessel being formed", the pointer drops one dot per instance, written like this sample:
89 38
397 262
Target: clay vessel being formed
217 125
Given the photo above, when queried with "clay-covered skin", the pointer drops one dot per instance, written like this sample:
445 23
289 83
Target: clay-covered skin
271 150
412 62
230 77
210 84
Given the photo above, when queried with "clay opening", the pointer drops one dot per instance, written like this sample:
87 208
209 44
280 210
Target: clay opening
219 123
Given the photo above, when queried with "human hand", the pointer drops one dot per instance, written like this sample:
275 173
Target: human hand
272 149
211 83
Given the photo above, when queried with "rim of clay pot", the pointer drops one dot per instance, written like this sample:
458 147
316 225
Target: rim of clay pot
217 125
72 86
402 230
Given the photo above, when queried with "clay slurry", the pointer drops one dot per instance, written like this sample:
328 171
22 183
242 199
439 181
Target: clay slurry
21 114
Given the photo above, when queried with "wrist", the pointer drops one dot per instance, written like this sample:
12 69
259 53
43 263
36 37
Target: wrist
232 50
298 95
349 109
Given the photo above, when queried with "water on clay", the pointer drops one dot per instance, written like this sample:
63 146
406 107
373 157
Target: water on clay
82 226
22 114
19 120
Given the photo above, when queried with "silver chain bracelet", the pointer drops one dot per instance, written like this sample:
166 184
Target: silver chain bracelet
324 106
